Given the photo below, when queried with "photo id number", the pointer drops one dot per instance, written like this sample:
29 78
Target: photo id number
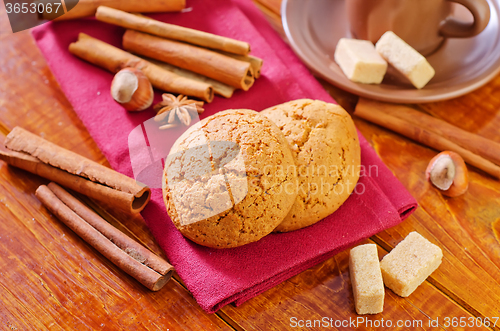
33 8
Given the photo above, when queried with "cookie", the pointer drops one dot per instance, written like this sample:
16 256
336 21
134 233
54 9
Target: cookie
229 180
325 147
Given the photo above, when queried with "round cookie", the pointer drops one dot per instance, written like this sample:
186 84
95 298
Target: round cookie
326 149
229 180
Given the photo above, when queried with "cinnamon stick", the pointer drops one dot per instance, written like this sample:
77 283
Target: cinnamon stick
36 155
425 137
481 146
219 88
124 242
142 273
255 62
114 59
171 31
86 8
118 199
200 60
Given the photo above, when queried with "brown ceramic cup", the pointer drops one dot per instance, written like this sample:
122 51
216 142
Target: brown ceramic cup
424 24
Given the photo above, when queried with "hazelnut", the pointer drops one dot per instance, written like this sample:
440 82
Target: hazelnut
447 171
132 89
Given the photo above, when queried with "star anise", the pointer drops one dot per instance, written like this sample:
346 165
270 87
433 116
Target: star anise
178 108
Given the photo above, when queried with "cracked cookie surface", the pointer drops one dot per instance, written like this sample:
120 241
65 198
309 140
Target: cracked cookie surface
326 150
229 180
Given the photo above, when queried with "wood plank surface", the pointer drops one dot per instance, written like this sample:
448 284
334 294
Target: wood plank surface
466 228
51 280
325 291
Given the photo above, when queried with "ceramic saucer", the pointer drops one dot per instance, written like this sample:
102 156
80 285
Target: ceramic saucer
313 28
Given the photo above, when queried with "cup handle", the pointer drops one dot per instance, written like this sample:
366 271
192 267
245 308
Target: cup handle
453 28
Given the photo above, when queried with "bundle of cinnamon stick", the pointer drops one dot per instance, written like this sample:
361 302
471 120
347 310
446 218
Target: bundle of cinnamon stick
136 260
478 151
174 58
25 150
114 59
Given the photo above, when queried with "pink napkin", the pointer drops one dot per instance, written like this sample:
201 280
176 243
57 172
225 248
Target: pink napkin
218 277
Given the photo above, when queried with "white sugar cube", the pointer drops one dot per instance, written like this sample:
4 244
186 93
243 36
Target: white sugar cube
359 61
405 59
410 263
366 279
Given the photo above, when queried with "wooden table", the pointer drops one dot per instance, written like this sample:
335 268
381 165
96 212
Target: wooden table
50 279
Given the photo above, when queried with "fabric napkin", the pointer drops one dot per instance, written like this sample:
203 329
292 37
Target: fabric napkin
218 277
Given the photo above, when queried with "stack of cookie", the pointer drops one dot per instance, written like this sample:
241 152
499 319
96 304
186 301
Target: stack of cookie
239 175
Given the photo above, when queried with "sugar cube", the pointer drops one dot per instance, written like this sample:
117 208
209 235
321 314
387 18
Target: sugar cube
359 61
405 59
366 279
409 264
